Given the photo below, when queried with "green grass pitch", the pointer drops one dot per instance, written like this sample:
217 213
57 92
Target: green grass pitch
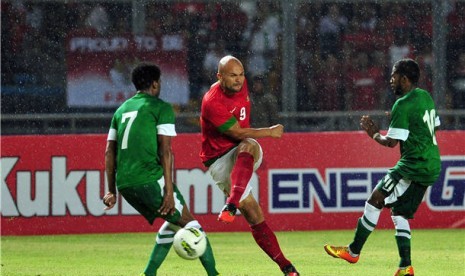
434 252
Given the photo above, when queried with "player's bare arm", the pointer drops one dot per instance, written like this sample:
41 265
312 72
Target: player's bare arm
372 130
166 159
239 133
110 169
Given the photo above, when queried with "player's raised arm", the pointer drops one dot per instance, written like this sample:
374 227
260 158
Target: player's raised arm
239 133
372 130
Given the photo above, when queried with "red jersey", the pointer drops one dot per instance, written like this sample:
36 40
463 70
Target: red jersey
219 112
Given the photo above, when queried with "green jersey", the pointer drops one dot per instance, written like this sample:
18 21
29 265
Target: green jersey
135 126
413 122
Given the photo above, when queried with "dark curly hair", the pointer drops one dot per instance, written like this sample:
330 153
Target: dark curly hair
144 74
409 68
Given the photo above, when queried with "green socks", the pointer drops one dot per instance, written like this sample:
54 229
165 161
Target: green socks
157 257
403 245
208 261
365 225
361 235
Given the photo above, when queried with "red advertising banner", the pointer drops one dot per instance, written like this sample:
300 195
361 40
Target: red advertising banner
308 181
99 68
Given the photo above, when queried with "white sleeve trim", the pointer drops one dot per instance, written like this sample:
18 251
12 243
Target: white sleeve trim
398 133
166 129
437 121
112 135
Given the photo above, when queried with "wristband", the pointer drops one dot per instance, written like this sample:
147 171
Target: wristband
376 135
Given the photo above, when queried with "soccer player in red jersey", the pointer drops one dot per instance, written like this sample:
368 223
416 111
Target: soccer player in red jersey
232 154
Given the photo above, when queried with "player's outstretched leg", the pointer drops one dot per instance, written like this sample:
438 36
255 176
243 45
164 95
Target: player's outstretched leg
365 226
266 239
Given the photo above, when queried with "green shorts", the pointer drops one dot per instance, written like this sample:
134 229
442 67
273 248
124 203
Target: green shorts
148 198
402 196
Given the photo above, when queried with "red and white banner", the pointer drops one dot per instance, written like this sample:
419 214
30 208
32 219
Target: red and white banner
99 68
308 181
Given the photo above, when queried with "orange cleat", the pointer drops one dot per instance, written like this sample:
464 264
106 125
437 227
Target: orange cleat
405 271
228 214
341 252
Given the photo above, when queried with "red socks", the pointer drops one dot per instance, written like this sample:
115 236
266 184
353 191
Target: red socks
263 235
267 241
240 176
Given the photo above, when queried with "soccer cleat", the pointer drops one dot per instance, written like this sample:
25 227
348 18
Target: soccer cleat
405 271
341 252
228 213
290 271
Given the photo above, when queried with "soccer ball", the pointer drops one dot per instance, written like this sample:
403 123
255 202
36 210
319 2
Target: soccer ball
190 243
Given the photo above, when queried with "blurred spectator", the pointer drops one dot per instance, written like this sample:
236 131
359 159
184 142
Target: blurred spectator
368 15
397 17
362 27
232 24
122 27
275 81
166 19
422 21
264 104
14 28
210 63
401 47
308 55
75 15
120 73
34 16
307 33
331 28
457 83
425 60
197 47
329 85
262 35
98 20
383 36
385 97
38 57
153 26
363 83
155 20
357 38
456 35
249 7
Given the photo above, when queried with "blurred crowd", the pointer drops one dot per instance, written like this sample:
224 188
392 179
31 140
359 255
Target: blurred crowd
344 50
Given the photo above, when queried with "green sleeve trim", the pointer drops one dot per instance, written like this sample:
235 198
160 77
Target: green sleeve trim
229 123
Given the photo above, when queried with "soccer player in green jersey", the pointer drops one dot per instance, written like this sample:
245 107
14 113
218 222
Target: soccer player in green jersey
138 162
413 125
